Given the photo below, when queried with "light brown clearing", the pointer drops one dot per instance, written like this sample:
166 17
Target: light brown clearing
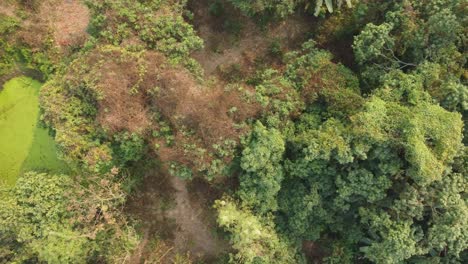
70 19
222 48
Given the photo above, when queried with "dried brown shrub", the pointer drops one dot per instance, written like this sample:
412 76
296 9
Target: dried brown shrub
69 20
60 23
33 32
206 110
136 90
212 125
130 84
200 116
116 78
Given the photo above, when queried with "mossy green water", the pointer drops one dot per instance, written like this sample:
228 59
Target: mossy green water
24 145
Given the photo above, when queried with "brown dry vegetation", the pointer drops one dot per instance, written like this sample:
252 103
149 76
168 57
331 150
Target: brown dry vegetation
137 90
33 32
62 23
202 109
8 8
69 22
200 116
134 92
121 92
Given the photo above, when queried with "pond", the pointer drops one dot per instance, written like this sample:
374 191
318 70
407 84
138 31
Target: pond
24 144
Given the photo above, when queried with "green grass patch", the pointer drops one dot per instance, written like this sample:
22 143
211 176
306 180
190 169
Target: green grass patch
24 145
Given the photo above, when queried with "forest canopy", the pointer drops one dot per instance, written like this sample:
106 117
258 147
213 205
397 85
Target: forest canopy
234 131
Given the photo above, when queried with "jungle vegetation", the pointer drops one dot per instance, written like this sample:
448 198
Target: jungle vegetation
346 147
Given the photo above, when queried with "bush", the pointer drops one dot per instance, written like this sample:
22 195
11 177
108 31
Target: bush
53 219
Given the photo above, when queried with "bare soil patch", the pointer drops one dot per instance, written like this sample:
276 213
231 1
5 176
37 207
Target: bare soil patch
250 42
148 208
196 232
167 211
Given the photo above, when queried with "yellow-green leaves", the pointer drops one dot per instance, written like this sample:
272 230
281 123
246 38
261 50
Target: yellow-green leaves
329 5
54 219
429 135
254 238
286 7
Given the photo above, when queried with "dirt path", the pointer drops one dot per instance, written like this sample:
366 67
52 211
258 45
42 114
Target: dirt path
147 206
179 212
166 210
194 233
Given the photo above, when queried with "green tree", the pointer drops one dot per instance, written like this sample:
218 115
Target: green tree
254 238
412 33
356 178
330 5
263 172
54 219
283 8
34 222
167 32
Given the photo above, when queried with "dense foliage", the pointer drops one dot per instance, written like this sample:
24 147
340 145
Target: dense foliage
54 219
283 8
361 156
254 238
369 176
156 25
356 168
